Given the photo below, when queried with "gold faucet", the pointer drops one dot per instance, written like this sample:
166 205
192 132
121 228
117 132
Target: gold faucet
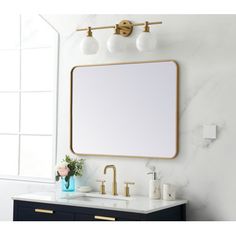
114 184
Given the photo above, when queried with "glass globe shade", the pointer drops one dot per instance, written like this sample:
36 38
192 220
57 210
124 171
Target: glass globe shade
116 43
89 45
146 41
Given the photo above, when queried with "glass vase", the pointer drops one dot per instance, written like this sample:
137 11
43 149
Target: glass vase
68 186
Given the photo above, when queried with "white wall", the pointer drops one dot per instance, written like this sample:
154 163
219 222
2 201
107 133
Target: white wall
205 48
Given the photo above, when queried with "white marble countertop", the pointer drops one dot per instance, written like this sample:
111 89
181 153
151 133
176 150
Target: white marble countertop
136 204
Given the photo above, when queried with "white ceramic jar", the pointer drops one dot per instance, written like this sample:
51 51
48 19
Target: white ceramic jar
168 192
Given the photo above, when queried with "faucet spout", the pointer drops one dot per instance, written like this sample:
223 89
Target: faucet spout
114 184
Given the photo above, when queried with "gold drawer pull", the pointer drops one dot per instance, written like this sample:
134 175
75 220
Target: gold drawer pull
43 211
104 218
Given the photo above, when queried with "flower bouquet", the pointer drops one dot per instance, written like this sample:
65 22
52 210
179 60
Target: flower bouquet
66 170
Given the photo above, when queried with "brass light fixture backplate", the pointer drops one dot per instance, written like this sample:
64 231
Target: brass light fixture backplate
125 28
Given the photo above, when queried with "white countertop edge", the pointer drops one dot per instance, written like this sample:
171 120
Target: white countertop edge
171 204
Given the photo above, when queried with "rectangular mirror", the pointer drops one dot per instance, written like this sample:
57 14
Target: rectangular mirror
125 109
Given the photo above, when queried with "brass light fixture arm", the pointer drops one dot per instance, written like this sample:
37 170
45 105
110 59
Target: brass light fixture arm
125 27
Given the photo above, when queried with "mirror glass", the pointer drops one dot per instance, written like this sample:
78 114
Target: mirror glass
125 109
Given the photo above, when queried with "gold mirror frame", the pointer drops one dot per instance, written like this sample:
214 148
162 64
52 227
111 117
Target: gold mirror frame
122 63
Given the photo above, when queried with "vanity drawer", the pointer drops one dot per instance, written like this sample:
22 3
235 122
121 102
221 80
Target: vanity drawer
26 211
95 214
103 217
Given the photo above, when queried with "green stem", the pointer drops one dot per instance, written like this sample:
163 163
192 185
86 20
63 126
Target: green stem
67 183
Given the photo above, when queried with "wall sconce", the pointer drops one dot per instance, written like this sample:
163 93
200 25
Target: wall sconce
89 45
146 41
116 43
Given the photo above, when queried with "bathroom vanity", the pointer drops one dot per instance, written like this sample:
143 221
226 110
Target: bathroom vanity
89 207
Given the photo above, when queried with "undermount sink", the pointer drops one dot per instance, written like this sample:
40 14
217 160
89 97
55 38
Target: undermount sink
94 196
108 196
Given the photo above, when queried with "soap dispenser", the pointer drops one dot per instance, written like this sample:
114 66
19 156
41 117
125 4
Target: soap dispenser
154 186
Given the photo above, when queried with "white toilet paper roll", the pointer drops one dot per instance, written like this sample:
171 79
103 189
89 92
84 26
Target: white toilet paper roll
168 192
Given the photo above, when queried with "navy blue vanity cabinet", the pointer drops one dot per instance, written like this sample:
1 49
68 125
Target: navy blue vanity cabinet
36 211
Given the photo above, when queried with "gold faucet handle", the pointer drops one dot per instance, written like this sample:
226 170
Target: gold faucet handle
127 194
102 186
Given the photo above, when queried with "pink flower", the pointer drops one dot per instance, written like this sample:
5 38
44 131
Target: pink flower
63 170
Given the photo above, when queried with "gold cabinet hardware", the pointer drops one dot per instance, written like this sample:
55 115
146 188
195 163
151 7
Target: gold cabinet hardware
104 218
43 211
127 194
102 186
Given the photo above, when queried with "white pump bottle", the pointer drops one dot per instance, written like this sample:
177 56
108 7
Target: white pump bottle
154 186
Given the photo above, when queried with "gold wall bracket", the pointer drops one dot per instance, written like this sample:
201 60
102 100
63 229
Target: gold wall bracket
125 27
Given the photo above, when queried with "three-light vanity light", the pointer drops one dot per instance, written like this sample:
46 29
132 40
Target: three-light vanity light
146 41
